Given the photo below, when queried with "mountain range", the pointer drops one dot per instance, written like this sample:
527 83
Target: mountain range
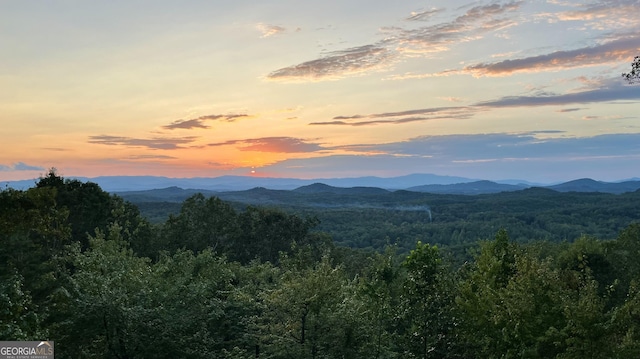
179 187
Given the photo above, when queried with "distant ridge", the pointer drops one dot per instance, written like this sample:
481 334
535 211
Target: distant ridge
323 188
361 185
589 185
169 194
476 187
241 183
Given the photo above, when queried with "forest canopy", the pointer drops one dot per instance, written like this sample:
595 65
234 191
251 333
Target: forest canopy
84 268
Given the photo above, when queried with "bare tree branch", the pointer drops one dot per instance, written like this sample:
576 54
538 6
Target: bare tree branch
634 75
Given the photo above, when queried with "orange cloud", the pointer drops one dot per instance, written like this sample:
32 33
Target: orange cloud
274 145
199 121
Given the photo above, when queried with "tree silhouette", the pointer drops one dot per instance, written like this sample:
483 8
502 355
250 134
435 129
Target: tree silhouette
633 76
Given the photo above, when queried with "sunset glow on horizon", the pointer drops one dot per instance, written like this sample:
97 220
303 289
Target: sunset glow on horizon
527 90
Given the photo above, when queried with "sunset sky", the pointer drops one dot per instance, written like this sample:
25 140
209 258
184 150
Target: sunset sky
527 90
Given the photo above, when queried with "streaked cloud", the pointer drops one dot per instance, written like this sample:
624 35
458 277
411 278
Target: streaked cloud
472 25
151 157
381 55
611 52
534 156
464 147
423 15
274 144
20 166
604 118
451 99
336 65
400 117
225 166
199 122
269 30
608 53
603 14
611 90
157 143
602 91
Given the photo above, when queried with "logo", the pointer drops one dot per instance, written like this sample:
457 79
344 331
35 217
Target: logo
26 350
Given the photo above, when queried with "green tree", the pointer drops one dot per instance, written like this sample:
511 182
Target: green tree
124 306
587 332
90 208
106 283
33 232
380 291
88 205
311 315
266 232
428 305
626 324
19 319
202 223
135 229
31 224
622 254
481 298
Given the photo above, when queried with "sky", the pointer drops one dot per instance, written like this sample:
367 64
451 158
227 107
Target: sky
496 90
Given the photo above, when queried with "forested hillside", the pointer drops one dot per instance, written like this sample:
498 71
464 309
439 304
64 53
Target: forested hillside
372 218
85 269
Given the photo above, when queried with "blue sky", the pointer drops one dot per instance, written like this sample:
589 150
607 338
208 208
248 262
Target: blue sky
489 90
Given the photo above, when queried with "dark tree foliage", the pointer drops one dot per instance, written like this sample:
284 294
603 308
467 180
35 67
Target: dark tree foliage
90 208
265 233
453 222
256 282
33 231
202 223
633 76
253 233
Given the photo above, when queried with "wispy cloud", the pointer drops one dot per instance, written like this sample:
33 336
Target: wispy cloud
603 14
274 144
607 118
336 65
199 122
504 146
151 157
611 52
611 90
380 55
616 51
224 166
472 25
400 117
56 149
616 47
423 15
20 166
601 91
269 30
535 156
451 99
157 143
